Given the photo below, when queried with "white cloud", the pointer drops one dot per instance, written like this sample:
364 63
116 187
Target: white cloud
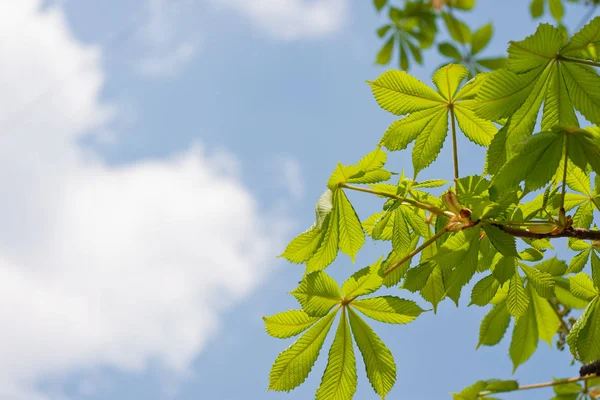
101 265
291 176
167 37
293 19
170 63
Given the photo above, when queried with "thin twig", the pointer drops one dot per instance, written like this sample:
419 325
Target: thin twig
416 251
545 384
418 204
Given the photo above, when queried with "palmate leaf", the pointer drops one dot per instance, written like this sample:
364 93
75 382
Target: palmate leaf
388 309
517 300
584 148
292 366
582 286
288 323
339 379
378 359
427 122
585 43
535 73
317 293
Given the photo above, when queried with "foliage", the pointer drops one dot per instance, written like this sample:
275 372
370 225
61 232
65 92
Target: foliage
495 230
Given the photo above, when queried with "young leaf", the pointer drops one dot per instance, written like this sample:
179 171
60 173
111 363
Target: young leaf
363 281
541 281
494 325
502 241
378 359
504 268
400 93
303 246
536 50
584 337
459 31
517 300
582 286
292 366
352 236
481 38
389 309
289 323
317 293
484 291
524 339
339 379
579 261
434 290
401 237
553 266
546 319
385 53
327 250
586 42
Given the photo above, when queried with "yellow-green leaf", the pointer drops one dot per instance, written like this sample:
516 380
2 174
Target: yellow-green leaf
317 293
288 323
389 309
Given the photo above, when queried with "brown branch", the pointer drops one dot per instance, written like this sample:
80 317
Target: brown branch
578 233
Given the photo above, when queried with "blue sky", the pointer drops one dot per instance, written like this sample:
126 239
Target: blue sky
158 154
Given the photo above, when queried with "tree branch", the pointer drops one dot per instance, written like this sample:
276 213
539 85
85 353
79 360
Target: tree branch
578 233
545 384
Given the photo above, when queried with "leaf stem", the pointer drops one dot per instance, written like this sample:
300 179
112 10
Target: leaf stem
578 61
418 204
416 251
454 142
564 177
545 384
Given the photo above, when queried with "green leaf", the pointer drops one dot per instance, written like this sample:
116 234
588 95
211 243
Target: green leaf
394 277
352 236
448 78
388 309
378 359
558 109
339 379
449 50
289 323
476 129
402 132
317 293
586 42
383 30
541 281
578 262
292 366
401 240
524 339
535 50
502 93
323 207
537 8
328 245
363 281
484 291
596 269
384 55
582 286
504 268
580 81
517 300
430 141
494 325
553 266
502 241
584 337
556 9
374 160
546 319
303 246
471 392
493 63
584 148
458 30
564 296
434 290
379 4
400 93
481 38
536 162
